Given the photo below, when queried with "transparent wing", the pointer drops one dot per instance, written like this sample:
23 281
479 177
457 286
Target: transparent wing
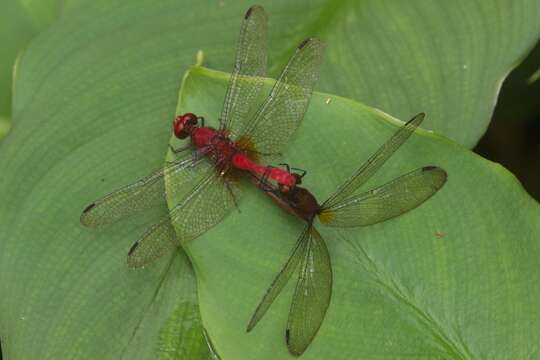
143 194
282 278
203 206
374 163
311 297
159 240
387 201
249 70
280 115
206 206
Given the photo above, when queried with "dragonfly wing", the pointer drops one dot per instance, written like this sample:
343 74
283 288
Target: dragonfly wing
370 167
279 116
143 194
311 297
159 240
200 207
281 279
249 70
206 205
387 201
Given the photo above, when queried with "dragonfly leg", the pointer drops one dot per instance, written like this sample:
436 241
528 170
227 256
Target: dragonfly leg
177 151
196 154
200 153
263 182
301 172
180 149
266 174
232 195
287 167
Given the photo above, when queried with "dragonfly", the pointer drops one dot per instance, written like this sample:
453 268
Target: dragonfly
205 173
346 208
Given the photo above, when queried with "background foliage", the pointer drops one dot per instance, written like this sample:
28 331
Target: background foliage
93 98
512 136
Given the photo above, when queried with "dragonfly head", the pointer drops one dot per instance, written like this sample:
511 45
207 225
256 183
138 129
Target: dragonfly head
298 178
295 178
183 125
285 188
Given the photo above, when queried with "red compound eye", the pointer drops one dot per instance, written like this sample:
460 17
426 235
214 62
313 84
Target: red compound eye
183 125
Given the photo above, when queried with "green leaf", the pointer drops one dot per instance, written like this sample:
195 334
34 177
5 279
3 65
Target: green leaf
445 58
93 104
448 60
42 13
4 126
534 77
455 278
20 21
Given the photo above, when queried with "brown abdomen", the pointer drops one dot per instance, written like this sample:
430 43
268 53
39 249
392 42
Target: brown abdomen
304 203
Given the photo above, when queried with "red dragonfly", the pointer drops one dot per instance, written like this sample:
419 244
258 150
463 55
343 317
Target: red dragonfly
205 177
345 208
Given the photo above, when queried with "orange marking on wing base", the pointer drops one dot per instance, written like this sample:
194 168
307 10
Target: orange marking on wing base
326 217
245 144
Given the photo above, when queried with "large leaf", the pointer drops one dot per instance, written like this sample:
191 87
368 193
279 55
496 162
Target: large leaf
94 98
447 59
456 278
4 126
20 21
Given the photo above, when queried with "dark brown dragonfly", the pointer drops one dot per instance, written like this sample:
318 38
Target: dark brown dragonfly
345 208
203 176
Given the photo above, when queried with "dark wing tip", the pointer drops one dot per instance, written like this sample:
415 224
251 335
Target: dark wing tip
88 208
132 261
132 249
415 121
252 322
311 40
292 350
305 42
418 118
251 9
84 219
439 173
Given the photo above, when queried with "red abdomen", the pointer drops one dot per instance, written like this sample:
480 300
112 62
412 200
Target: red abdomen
242 162
218 147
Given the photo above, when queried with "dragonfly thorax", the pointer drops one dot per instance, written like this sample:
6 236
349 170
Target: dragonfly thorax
302 202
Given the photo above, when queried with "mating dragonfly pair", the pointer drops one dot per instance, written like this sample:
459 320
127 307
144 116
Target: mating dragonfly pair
205 174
